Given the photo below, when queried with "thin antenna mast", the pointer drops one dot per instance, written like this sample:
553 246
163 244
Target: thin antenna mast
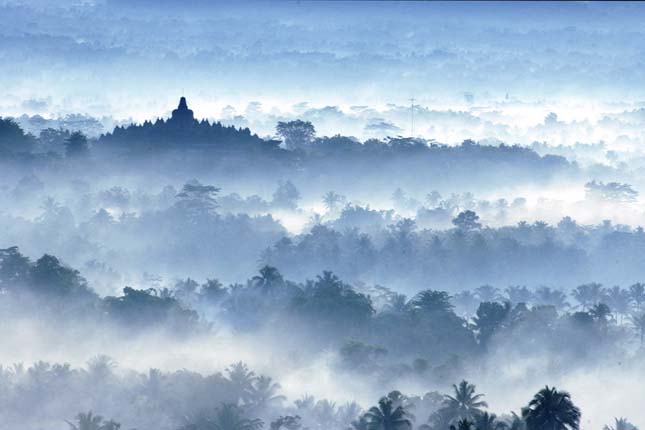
412 100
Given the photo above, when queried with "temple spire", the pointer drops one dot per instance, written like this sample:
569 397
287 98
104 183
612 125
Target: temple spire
182 114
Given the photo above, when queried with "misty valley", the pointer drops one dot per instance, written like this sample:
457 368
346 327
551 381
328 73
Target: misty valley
226 216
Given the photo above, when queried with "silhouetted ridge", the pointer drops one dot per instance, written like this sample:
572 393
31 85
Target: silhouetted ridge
182 130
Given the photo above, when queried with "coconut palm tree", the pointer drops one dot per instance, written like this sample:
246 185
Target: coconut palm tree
462 424
332 200
111 425
465 403
387 417
639 323
396 304
268 278
621 424
637 294
263 393
305 403
487 293
515 422
488 421
588 294
87 421
325 413
551 409
431 301
230 417
242 380
362 423
619 301
600 312
519 294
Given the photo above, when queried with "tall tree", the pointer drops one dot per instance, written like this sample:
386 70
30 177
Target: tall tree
268 278
551 409
296 134
621 424
588 294
490 318
638 321
464 403
637 294
386 416
231 417
76 145
467 221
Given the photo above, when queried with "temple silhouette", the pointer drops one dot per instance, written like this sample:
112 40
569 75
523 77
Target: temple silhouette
182 115
181 132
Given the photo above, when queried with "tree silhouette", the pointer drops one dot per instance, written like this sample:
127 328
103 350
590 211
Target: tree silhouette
638 321
637 294
588 294
241 379
332 200
431 301
486 421
551 409
268 278
89 421
489 318
386 416
76 145
621 424
296 134
464 403
467 221
462 424
230 417
264 393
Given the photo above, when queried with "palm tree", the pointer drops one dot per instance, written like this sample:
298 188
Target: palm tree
87 421
639 323
487 293
325 413
349 412
399 399
551 409
600 311
263 393
287 422
387 417
465 403
637 293
431 301
515 422
621 424
396 304
362 423
111 425
588 294
305 403
552 297
242 380
268 278
331 200
488 421
519 294
619 301
230 417
462 424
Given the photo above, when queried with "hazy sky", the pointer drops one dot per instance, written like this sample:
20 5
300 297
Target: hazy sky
133 59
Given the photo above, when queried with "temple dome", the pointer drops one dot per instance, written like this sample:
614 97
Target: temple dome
182 114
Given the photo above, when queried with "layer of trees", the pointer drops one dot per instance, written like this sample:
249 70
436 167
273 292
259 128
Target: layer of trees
240 399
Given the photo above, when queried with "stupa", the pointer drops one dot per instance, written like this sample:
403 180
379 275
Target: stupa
182 115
